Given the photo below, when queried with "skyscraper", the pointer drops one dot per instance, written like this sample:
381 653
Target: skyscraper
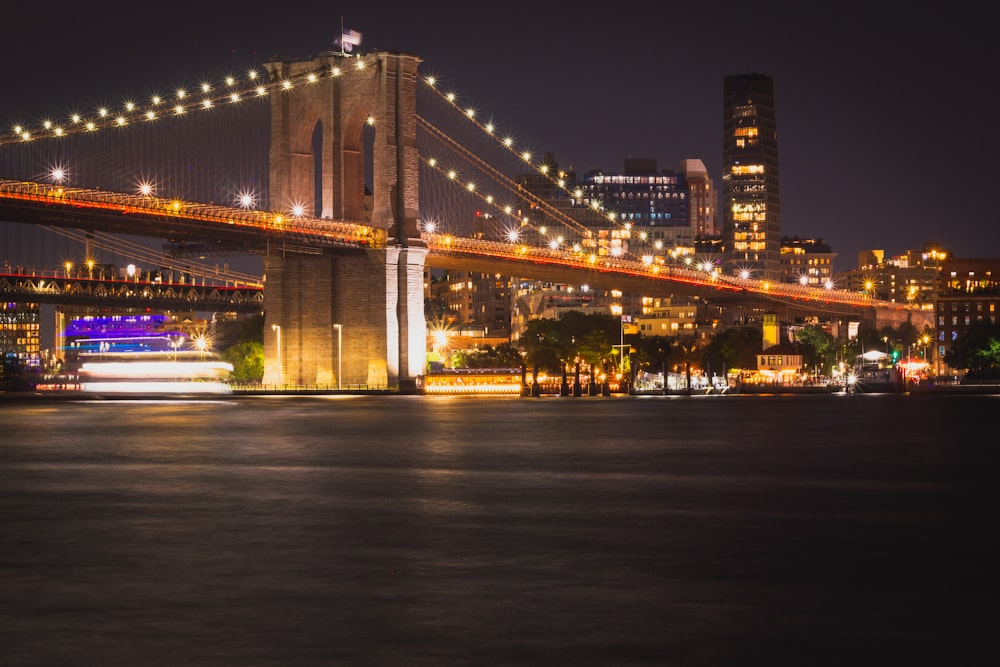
751 195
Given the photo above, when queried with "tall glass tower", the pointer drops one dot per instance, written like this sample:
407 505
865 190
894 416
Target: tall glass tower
751 196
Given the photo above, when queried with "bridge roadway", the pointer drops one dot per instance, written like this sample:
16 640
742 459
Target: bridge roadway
208 228
225 229
650 278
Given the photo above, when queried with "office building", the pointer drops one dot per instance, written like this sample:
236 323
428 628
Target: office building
806 262
473 297
912 277
19 334
751 193
702 198
656 211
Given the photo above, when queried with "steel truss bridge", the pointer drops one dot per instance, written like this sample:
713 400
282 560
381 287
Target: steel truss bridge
119 293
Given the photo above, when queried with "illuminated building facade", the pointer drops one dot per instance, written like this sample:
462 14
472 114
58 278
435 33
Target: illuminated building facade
969 292
806 262
19 333
470 297
913 277
702 198
751 193
658 210
664 318
641 196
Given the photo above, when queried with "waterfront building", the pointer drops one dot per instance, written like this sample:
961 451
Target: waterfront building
751 193
780 364
20 342
472 297
661 317
969 292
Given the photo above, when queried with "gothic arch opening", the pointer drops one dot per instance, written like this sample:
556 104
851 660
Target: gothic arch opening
317 152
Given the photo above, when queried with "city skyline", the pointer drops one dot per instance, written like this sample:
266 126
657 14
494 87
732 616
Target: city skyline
880 127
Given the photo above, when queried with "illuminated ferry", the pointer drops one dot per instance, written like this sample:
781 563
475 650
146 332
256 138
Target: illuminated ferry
139 355
474 381
181 372
874 373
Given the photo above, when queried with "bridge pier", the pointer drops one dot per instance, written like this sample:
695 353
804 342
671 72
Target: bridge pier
322 138
360 312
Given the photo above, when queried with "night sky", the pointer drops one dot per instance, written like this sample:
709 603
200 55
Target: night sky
882 115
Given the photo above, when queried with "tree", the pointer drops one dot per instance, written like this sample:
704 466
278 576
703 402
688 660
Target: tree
652 354
818 347
736 347
13 374
541 344
977 350
247 359
553 344
252 329
501 356
507 356
591 336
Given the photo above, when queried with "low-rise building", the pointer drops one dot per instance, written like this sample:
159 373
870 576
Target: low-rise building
969 292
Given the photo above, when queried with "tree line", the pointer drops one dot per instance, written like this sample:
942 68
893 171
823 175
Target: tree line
592 343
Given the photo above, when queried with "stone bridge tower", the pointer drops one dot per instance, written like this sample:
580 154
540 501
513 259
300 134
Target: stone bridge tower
352 316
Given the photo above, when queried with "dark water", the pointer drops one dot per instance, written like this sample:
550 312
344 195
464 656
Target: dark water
725 530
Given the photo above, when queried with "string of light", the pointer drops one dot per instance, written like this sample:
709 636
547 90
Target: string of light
522 153
205 96
494 173
234 91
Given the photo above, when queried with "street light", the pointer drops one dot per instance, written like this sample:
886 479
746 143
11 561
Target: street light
340 331
175 343
200 342
281 377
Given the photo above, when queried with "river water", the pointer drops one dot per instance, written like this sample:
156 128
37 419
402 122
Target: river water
409 530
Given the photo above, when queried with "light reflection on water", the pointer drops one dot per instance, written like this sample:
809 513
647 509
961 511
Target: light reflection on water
456 530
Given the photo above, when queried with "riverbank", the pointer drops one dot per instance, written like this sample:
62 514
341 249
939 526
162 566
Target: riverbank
755 390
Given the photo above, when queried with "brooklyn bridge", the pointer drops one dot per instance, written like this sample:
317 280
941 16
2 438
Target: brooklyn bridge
339 174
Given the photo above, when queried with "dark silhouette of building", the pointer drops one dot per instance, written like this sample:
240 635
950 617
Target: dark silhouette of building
751 194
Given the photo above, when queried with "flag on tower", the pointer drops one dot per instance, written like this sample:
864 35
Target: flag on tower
349 39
